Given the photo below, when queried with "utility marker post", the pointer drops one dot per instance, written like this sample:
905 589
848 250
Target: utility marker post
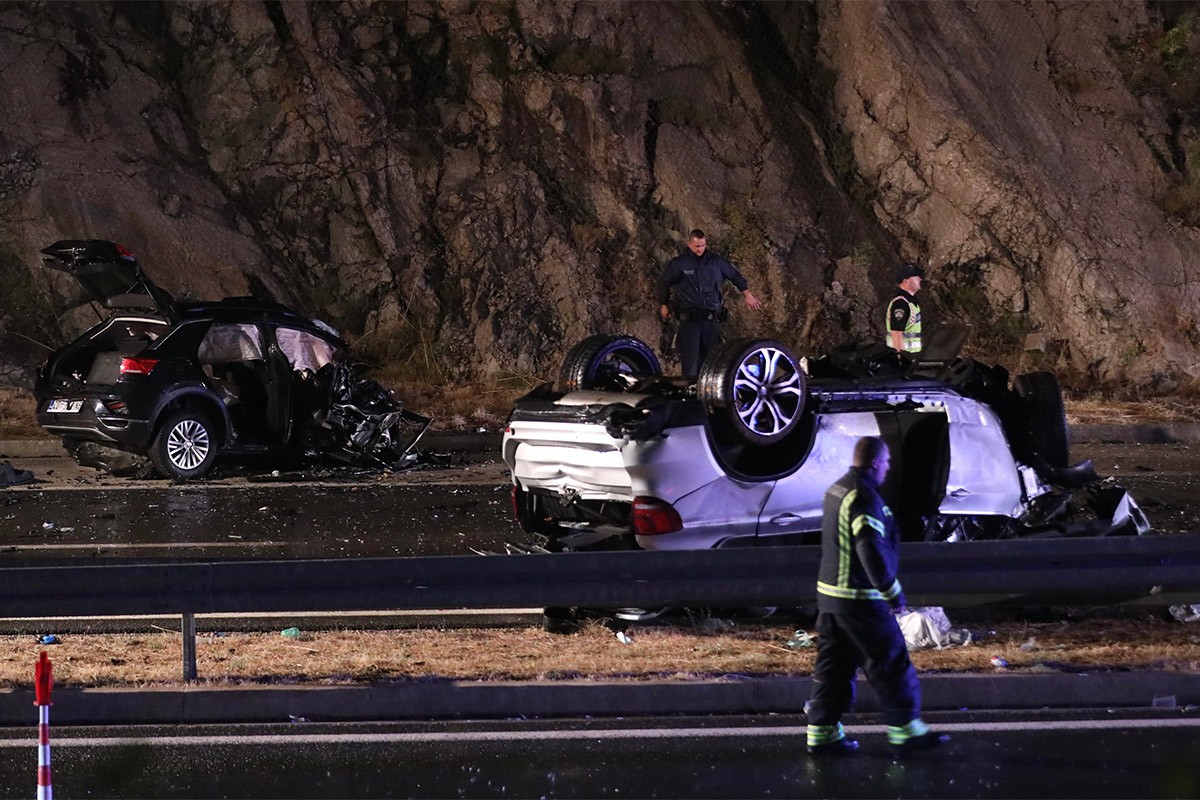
43 682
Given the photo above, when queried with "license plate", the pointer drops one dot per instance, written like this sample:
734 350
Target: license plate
64 406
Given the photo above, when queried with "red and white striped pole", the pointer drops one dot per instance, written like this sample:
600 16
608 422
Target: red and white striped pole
43 682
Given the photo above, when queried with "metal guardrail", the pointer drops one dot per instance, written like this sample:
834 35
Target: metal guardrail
1147 570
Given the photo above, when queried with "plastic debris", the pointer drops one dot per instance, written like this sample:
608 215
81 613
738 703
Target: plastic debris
930 627
801 639
48 526
999 661
294 718
1185 613
11 476
290 633
49 638
624 637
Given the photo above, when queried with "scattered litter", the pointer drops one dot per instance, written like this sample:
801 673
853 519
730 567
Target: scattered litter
999 661
233 536
1029 645
49 638
48 526
1185 613
11 476
264 508
930 627
1166 701
624 637
66 530
290 633
294 718
164 630
801 639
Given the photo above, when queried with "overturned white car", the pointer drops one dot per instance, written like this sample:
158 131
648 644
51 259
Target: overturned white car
620 456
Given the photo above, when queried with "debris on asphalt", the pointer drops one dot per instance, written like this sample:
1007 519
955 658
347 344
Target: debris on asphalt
11 476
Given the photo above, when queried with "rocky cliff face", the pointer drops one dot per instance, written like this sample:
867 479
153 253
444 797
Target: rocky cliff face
501 179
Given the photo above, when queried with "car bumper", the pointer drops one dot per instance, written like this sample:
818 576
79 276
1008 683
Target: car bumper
92 422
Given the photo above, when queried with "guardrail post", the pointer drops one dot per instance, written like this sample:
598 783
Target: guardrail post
189 646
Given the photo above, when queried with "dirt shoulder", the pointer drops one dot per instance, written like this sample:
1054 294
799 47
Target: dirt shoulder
687 650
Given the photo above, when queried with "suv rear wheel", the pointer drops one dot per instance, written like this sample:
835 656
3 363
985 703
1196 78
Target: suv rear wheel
754 387
185 446
606 361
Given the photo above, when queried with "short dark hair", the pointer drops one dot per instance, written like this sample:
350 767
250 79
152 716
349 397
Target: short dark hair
867 449
697 234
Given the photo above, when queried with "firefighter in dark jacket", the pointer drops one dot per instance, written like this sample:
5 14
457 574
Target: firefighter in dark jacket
857 592
696 276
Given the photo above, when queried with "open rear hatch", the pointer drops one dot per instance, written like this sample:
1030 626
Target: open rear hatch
108 274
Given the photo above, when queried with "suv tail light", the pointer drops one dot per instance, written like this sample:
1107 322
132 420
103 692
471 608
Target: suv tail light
517 500
137 366
652 517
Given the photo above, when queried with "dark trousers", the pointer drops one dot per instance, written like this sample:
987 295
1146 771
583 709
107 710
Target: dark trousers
694 341
870 639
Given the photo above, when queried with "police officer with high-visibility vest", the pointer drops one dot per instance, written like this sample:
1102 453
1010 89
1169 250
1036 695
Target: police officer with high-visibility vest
857 592
903 313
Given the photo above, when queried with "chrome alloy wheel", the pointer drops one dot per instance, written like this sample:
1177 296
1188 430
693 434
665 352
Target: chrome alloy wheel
768 391
188 444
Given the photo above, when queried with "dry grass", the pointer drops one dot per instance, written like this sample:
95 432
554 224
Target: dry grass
462 406
17 419
710 649
1118 412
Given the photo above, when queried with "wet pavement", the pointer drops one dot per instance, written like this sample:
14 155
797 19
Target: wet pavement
1013 754
72 512
251 512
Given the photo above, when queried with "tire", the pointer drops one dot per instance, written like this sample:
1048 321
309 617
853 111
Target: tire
607 361
185 446
755 388
1041 417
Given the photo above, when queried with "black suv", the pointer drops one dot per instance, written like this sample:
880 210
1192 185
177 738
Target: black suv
179 382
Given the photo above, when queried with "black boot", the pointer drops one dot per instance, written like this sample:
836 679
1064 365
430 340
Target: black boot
839 747
915 744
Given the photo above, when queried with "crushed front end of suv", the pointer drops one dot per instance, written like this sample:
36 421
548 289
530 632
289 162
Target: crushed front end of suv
619 456
184 384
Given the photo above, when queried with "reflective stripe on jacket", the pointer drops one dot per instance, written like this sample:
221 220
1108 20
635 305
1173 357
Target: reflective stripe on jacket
858 547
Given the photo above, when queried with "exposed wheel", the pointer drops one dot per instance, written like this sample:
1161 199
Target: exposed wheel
606 361
755 387
1042 418
185 446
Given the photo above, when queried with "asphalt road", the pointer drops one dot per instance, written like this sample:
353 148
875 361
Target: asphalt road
1004 754
73 512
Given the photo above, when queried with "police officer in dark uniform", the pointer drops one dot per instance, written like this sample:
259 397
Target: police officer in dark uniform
903 313
857 591
696 276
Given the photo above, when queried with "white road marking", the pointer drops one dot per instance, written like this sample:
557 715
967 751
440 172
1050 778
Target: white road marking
588 735
135 545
